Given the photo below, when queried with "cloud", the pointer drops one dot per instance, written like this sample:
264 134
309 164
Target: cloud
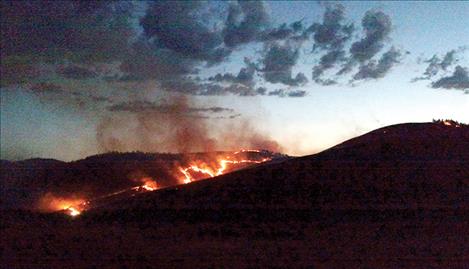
146 61
179 26
294 31
245 21
448 60
261 90
458 80
245 75
435 64
192 86
377 27
373 70
331 36
297 93
44 87
76 72
286 93
332 33
327 61
77 101
278 63
74 30
37 32
147 106
168 43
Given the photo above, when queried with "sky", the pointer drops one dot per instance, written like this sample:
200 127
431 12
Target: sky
87 77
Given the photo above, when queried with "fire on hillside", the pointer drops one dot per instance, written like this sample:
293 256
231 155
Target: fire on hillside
192 170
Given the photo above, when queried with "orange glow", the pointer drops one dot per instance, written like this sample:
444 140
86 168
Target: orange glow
149 184
247 150
219 167
72 211
451 123
51 203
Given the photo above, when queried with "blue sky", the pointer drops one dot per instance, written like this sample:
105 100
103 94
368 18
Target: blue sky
54 113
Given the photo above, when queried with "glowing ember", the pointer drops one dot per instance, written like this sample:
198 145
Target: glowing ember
451 123
72 211
150 185
220 169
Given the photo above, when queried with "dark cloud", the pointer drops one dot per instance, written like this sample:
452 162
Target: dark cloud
330 36
325 82
280 33
147 106
332 33
286 93
76 72
448 60
74 38
146 61
435 64
278 63
327 61
245 21
297 93
51 88
71 99
261 90
458 80
377 27
58 30
245 75
44 87
179 26
278 92
191 86
35 32
294 31
373 70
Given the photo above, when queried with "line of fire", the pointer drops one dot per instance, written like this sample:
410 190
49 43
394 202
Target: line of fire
195 170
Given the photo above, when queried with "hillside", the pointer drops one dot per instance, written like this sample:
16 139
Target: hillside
393 198
406 166
25 182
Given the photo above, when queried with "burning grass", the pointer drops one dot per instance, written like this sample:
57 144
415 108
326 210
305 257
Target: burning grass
196 167
200 170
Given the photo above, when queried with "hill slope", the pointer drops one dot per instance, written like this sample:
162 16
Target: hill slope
393 198
24 183
406 166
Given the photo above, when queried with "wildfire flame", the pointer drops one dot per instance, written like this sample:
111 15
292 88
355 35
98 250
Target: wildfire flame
218 169
71 205
149 184
74 206
72 211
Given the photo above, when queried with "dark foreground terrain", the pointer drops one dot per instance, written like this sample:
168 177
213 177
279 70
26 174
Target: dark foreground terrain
393 198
